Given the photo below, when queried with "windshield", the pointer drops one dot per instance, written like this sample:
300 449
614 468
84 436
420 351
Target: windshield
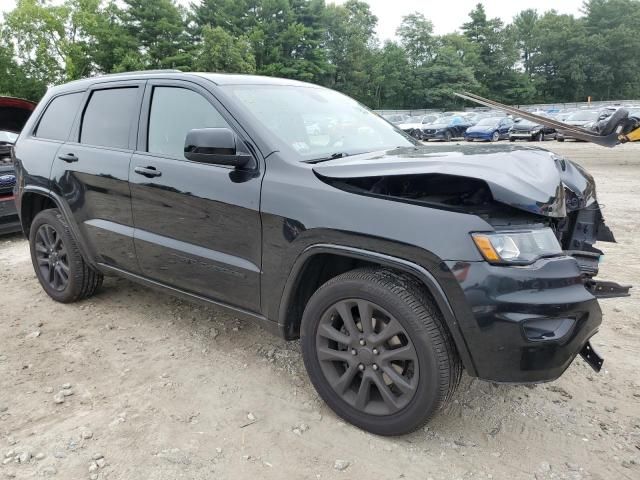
8 137
583 116
317 123
489 122
525 123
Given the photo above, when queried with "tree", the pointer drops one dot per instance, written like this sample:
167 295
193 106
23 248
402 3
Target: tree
525 29
220 52
416 36
158 27
350 46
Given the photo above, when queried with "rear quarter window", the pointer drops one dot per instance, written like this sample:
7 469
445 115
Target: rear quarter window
57 119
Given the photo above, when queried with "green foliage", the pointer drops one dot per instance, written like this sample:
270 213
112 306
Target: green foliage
538 57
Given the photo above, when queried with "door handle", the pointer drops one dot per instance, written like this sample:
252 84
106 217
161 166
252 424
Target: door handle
148 172
69 157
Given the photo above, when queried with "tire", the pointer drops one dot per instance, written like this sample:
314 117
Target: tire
540 137
68 278
512 139
560 139
433 372
447 136
495 137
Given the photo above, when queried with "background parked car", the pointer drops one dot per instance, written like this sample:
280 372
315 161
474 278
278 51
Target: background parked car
14 113
446 128
525 130
414 125
489 129
584 119
396 119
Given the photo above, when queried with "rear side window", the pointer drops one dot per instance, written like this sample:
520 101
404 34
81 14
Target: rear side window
108 117
56 121
175 111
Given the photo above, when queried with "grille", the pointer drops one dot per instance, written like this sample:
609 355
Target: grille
430 131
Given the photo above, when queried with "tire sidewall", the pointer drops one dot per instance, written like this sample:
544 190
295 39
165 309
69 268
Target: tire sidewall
54 218
427 398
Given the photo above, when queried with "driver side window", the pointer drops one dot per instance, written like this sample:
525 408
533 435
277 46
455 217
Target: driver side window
175 111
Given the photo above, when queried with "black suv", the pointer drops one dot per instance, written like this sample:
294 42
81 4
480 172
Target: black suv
396 264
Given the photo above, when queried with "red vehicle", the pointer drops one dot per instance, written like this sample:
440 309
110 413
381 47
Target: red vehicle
14 113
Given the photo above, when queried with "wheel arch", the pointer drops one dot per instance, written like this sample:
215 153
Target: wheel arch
307 275
35 199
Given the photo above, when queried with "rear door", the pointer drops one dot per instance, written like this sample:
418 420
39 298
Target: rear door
197 225
91 171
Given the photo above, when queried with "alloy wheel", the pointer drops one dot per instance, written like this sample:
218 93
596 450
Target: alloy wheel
367 357
52 257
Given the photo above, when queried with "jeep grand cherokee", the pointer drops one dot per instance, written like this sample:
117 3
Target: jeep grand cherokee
396 264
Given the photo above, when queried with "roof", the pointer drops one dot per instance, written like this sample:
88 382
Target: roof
216 78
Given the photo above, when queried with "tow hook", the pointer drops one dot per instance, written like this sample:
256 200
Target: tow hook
607 289
590 356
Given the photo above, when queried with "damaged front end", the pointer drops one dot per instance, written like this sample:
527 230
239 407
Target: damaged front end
524 317
509 187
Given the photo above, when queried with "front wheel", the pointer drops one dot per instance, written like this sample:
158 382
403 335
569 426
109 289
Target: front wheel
495 137
447 136
56 259
378 352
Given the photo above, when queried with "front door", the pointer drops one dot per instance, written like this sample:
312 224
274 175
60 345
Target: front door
197 225
91 171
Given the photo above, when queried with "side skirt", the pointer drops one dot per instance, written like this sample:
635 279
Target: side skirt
260 320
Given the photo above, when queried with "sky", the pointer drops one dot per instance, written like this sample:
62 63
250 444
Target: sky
446 15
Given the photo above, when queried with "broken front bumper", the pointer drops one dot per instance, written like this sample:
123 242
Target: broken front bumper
525 324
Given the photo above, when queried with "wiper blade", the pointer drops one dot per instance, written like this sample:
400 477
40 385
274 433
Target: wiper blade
333 156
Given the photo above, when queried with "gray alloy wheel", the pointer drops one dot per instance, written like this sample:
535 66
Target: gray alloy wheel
447 136
52 257
377 350
57 261
495 137
367 357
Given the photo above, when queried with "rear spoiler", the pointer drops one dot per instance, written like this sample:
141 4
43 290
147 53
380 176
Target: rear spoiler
610 140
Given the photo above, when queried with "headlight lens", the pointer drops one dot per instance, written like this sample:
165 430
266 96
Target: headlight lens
517 247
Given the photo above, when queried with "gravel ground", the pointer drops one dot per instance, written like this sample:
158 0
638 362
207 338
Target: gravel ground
135 384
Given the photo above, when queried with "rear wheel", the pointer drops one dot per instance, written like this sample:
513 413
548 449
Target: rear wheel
56 259
447 136
378 352
495 137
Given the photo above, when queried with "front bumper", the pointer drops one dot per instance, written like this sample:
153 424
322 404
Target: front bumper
477 136
525 324
9 221
433 135
521 136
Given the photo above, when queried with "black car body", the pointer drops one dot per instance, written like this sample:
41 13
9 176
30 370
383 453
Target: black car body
446 128
531 131
14 113
202 185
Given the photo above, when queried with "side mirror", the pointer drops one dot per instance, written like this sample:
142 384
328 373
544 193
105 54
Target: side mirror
216 146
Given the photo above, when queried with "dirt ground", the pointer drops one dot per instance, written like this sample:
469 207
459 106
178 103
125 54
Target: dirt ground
155 388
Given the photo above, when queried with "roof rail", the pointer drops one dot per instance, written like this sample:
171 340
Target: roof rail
137 72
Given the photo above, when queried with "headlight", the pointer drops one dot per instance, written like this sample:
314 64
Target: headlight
517 247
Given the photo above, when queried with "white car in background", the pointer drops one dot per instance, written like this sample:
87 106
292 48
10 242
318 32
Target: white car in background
414 125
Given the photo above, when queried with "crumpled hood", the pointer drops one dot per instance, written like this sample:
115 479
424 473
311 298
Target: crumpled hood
527 178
